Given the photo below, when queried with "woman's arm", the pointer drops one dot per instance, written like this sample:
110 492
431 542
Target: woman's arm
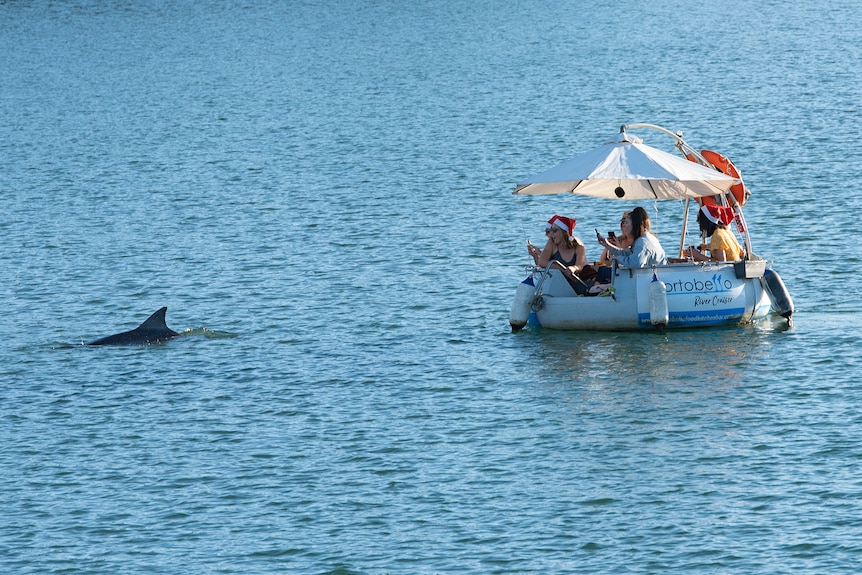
547 253
613 251
645 251
716 254
604 258
696 254
580 257
630 257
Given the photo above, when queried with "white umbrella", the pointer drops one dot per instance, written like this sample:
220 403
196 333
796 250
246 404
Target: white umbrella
625 168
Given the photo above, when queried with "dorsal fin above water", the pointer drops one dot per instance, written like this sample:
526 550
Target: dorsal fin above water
153 330
156 321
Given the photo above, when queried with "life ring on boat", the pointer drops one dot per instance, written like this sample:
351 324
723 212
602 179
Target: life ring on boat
703 200
739 191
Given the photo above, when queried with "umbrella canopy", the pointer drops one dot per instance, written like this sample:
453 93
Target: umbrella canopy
625 168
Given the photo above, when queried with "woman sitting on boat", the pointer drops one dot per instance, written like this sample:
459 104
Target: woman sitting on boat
646 251
723 247
624 240
562 246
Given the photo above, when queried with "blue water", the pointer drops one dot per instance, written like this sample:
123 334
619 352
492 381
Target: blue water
321 194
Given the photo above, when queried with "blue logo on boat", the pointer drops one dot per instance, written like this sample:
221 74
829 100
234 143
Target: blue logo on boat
716 284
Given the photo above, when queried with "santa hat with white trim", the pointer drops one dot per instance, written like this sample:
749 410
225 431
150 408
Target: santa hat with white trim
551 222
717 214
565 224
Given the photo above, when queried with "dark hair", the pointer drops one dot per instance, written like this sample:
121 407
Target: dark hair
640 222
706 226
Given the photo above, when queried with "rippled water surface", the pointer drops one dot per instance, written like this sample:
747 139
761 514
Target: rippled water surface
321 194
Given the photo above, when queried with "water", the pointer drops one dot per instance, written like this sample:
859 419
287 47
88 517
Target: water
320 192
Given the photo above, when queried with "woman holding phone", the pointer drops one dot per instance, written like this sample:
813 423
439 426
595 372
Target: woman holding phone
624 240
645 251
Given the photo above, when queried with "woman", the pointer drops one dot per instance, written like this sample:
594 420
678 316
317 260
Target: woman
645 251
562 246
723 246
623 240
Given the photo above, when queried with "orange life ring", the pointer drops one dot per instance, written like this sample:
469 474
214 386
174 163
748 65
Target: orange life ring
703 200
726 166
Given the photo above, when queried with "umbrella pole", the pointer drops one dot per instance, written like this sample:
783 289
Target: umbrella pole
684 228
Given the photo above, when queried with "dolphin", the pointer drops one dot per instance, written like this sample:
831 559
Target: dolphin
154 330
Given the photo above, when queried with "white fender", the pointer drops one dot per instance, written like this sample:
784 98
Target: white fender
778 294
521 305
658 312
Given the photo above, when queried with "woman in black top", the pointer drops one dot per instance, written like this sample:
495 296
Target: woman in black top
562 246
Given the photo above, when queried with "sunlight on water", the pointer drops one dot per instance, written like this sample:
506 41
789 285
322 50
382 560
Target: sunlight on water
323 200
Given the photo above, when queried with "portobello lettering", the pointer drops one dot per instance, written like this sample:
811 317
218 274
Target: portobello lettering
717 283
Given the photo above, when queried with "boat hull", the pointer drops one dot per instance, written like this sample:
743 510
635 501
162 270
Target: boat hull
698 295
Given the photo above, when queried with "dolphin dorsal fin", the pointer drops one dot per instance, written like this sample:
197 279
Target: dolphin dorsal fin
156 322
151 331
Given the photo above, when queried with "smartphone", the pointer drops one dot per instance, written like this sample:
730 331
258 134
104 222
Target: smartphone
612 235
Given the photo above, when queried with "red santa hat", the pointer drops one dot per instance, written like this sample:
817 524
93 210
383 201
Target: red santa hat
551 222
565 224
717 214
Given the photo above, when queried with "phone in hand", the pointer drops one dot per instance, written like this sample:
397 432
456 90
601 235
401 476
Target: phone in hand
612 236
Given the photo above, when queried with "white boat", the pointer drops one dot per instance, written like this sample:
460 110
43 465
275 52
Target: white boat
681 294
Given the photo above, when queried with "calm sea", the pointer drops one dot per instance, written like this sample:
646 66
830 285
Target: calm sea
321 193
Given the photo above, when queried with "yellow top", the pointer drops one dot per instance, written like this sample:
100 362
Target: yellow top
723 239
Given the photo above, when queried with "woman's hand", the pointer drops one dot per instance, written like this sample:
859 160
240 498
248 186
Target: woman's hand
695 254
602 241
607 243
